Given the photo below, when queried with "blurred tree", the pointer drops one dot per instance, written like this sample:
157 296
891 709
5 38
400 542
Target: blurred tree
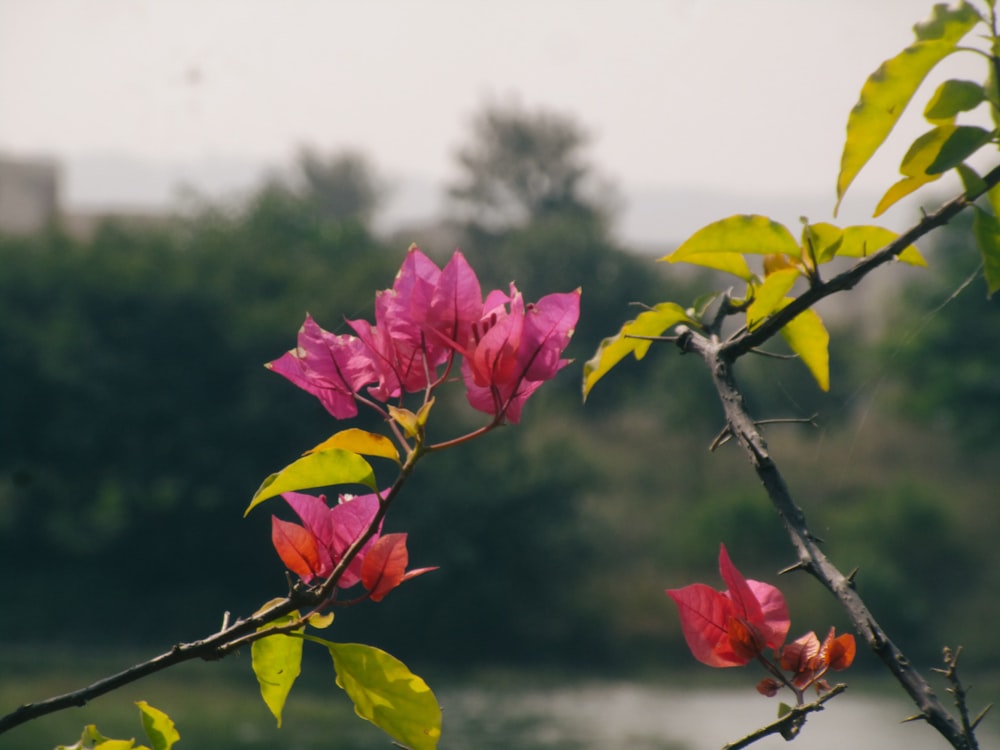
943 345
338 187
521 166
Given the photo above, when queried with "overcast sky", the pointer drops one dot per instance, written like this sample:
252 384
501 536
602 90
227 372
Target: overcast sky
741 96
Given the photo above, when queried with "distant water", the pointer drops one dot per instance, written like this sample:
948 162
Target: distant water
629 716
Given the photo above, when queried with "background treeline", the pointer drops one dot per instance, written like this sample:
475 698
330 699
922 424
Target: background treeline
136 420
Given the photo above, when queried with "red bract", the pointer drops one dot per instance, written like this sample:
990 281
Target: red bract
515 348
730 628
313 549
384 567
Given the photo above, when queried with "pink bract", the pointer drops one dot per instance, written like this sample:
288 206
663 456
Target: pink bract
515 348
729 628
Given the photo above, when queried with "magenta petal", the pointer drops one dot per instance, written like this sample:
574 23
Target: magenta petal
704 613
745 604
351 518
548 327
774 611
456 305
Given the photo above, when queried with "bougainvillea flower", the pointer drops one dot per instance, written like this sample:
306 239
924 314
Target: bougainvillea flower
730 628
384 566
330 367
313 549
515 348
808 659
419 322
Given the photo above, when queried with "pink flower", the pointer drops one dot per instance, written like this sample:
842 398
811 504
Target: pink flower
330 367
419 322
313 549
730 628
515 348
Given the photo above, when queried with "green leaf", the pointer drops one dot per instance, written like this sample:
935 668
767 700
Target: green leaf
960 145
807 337
614 349
91 739
722 244
277 662
386 693
953 97
159 728
320 469
823 238
360 441
889 89
971 181
987 231
862 241
783 709
770 295
921 155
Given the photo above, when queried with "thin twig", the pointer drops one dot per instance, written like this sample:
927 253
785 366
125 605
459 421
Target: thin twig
789 725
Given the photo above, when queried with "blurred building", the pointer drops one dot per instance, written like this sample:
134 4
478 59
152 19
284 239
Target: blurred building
31 200
29 194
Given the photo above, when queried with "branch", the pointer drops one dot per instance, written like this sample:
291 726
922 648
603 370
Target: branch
789 725
811 557
744 342
229 638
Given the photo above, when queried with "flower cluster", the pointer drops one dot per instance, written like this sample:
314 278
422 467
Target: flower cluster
429 316
734 627
314 549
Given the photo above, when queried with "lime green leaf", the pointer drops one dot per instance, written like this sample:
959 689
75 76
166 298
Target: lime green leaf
971 181
719 244
159 728
360 441
783 709
319 469
277 662
807 337
614 349
320 622
771 294
916 165
987 230
862 241
91 739
387 694
889 89
961 144
953 97
824 239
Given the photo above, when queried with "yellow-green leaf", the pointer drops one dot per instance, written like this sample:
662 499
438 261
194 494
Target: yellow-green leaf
159 728
277 662
962 143
916 166
359 441
807 337
719 244
770 295
614 349
386 693
862 241
320 469
321 621
987 230
889 89
823 238
951 98
91 739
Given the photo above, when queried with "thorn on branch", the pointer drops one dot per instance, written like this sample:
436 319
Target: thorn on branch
793 567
